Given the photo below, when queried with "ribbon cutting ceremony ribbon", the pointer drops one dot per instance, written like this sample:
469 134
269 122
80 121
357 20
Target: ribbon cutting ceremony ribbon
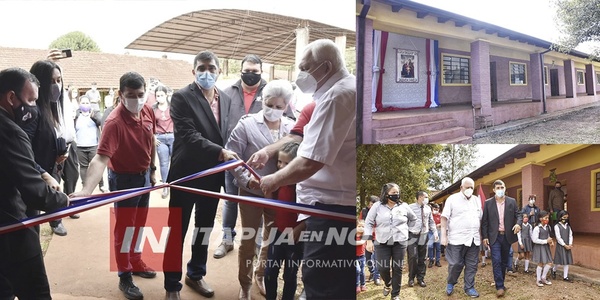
81 204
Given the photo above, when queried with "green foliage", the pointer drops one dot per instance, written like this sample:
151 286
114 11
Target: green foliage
405 165
451 164
578 21
76 41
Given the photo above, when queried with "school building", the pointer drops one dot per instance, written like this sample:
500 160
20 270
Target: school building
425 75
532 170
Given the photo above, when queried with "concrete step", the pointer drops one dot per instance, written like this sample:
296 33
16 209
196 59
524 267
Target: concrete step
433 137
400 120
412 129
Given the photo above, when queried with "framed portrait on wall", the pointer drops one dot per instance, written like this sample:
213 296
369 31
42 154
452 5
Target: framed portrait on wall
407 65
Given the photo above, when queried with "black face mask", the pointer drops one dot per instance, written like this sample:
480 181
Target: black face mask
558 187
25 114
251 78
564 220
394 197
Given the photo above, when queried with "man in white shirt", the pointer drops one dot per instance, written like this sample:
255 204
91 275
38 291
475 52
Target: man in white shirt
325 170
462 218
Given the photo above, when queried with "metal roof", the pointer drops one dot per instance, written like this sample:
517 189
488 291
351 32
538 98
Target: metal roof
234 33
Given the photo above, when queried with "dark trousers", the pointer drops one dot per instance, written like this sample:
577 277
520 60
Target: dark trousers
395 252
417 250
288 256
459 257
68 171
500 252
329 271
135 217
25 279
204 219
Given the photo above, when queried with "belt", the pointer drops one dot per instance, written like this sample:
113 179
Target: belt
165 133
501 232
142 173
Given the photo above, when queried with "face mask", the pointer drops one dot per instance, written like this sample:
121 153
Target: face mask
206 80
250 78
558 187
134 105
25 114
425 201
161 100
54 92
435 211
499 193
468 192
531 202
394 197
564 220
85 108
271 114
306 82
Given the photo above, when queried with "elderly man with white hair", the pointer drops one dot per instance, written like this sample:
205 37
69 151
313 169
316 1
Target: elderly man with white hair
462 218
252 133
325 171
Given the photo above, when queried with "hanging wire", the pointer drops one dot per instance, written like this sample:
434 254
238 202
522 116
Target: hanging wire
240 32
280 48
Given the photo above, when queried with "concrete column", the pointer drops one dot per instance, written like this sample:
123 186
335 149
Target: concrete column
225 67
302 35
480 76
570 78
532 177
271 72
590 79
340 41
535 76
368 92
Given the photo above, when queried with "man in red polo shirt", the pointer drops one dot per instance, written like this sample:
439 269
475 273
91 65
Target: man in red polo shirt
127 147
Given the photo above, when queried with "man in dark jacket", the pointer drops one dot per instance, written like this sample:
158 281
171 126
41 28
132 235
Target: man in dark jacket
22 270
499 227
200 113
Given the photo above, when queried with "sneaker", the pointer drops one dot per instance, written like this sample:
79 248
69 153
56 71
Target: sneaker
449 289
129 289
223 249
396 298
363 288
59 229
430 264
142 270
569 279
511 273
516 267
472 293
526 271
546 282
540 284
75 216
377 281
438 264
386 290
553 274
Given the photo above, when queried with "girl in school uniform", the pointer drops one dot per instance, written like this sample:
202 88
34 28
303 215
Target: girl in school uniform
564 238
541 248
525 244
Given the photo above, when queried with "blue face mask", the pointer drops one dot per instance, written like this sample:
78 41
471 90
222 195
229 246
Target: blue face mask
500 193
206 80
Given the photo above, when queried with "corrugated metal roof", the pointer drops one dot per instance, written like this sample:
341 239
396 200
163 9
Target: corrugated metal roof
234 33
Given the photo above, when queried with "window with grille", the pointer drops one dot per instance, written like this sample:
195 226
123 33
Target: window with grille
456 70
518 73
580 77
596 183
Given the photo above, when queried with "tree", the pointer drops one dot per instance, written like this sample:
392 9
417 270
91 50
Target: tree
76 41
451 164
578 21
405 165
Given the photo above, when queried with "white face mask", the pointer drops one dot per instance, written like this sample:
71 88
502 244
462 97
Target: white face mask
271 114
468 192
426 201
531 202
306 82
134 105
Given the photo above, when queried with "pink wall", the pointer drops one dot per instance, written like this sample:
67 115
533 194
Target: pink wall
505 90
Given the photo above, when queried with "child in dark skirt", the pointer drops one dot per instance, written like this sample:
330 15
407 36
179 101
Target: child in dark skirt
541 248
525 244
564 239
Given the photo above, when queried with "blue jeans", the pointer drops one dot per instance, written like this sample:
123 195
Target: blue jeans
500 253
230 210
371 264
360 270
434 248
290 257
509 267
164 151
